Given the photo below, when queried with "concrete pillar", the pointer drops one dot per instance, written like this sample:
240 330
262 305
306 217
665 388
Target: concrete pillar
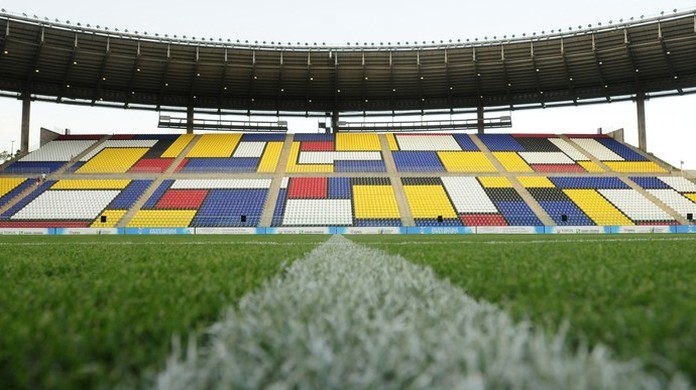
189 120
334 121
640 104
479 118
26 117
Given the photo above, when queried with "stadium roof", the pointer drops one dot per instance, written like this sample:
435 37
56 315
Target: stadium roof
81 64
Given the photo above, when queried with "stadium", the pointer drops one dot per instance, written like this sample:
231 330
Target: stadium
438 252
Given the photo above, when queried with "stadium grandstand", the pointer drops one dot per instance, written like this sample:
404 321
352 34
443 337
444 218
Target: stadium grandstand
351 174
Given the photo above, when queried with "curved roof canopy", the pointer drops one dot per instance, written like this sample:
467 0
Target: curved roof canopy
83 65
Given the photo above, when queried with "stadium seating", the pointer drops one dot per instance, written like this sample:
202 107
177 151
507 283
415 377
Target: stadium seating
225 180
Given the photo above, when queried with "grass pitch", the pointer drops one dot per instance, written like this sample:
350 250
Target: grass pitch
633 293
100 311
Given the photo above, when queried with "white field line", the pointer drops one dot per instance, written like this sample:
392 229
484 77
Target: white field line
352 317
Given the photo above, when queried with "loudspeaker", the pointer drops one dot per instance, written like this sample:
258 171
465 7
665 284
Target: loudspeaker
690 216
243 218
564 218
103 219
439 218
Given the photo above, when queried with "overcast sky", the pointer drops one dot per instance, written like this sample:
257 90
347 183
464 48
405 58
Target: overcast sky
671 122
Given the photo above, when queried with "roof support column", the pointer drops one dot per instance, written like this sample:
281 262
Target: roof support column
189 120
479 118
26 117
334 121
640 105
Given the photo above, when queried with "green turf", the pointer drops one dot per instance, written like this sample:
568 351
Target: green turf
91 312
638 297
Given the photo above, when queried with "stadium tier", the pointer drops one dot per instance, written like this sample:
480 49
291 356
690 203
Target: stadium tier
346 179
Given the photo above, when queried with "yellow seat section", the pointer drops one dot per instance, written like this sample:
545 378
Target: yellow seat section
591 166
293 167
87 184
8 184
357 142
269 160
112 218
691 196
535 182
178 146
512 162
215 145
162 218
635 167
113 160
391 139
375 202
495 182
466 162
429 201
600 210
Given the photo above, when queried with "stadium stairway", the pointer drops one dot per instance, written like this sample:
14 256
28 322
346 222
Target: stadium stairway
267 216
402 203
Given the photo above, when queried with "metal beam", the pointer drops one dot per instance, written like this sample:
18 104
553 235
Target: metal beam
640 106
629 53
26 118
134 71
66 76
600 73
194 76
164 83
568 74
666 54
35 62
102 75
3 42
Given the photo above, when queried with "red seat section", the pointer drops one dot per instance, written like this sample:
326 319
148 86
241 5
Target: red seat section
483 220
308 188
182 164
316 146
182 199
558 168
122 136
152 165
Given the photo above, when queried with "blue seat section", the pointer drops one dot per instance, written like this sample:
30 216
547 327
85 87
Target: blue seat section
29 167
280 207
18 190
158 194
129 195
518 213
589 182
74 167
621 149
263 137
236 164
314 137
27 199
465 142
359 166
410 161
161 137
339 188
435 223
501 143
650 183
557 209
227 207
376 222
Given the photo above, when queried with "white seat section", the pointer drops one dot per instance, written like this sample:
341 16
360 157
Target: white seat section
249 149
58 151
120 143
570 150
546 158
675 201
679 183
79 204
598 150
194 184
427 142
331 157
634 205
318 212
284 183
468 196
